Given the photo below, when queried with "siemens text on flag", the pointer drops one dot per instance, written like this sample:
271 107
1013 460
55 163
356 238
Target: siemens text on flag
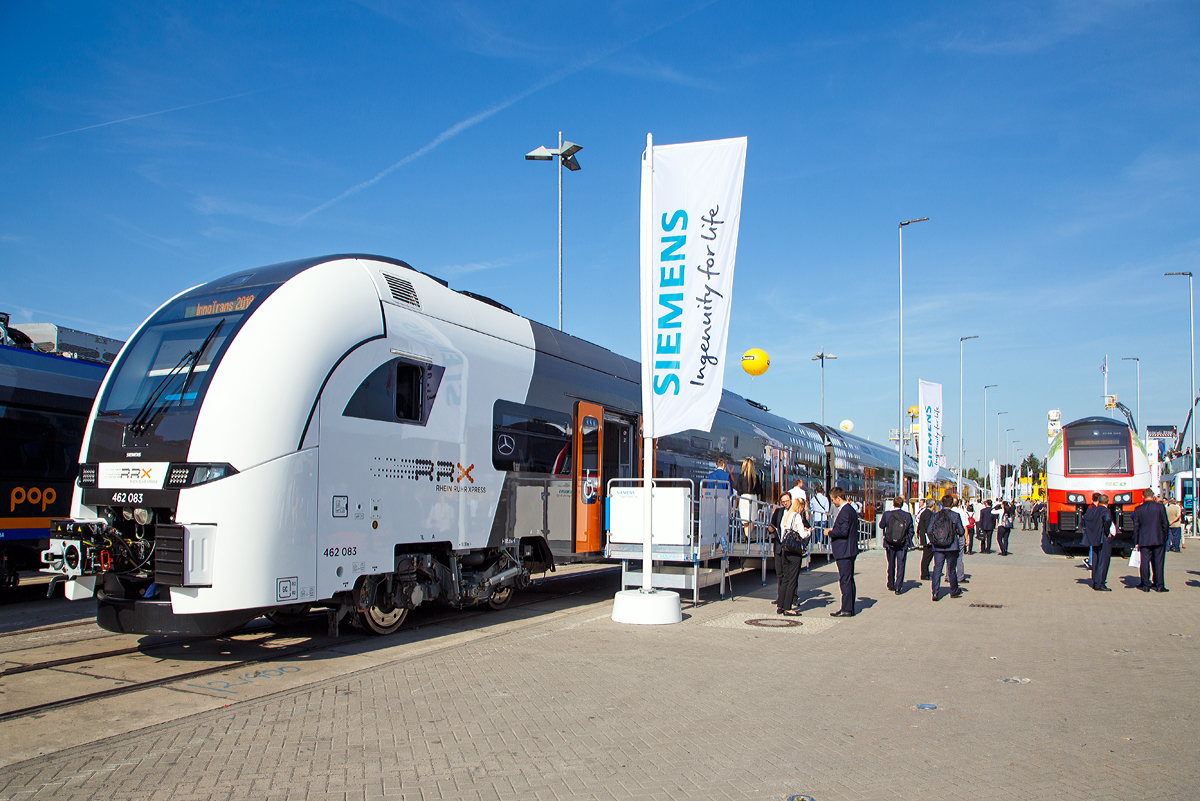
691 211
930 430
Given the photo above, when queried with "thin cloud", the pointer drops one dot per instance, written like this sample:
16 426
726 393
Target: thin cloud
150 114
469 122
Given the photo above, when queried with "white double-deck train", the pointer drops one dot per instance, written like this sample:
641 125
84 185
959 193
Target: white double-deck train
347 432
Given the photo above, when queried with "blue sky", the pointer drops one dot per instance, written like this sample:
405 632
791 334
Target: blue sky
1055 147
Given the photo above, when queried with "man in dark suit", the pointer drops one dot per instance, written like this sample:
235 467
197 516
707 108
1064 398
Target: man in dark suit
923 536
1096 522
843 542
987 524
946 553
897 527
1150 531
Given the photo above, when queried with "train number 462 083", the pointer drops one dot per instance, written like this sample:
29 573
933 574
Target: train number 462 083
347 551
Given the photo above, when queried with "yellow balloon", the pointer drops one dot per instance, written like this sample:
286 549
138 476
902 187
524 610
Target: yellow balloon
755 361
914 411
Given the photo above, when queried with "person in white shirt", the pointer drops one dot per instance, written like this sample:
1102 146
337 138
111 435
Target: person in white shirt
819 509
798 491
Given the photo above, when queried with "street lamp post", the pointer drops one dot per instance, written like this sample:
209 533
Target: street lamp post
1139 387
1007 450
997 443
822 356
1192 317
985 389
566 158
900 419
961 340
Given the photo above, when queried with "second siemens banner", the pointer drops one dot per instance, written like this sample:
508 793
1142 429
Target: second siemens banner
930 430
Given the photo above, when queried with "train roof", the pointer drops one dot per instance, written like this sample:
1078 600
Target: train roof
1095 420
588 354
47 380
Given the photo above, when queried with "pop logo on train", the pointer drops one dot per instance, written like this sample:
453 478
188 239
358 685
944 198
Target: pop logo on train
32 495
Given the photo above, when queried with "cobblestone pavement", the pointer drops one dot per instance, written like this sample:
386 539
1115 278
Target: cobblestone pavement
1060 693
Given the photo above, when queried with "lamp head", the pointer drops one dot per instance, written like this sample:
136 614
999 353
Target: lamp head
569 162
541 154
569 149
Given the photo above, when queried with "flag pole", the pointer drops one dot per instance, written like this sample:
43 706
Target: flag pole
648 410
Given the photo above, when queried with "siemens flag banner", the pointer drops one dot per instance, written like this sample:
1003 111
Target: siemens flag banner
930 430
691 207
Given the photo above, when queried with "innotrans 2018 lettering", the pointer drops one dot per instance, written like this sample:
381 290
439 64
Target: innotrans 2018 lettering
219 307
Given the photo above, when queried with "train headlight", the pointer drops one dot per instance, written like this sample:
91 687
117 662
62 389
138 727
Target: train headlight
143 516
87 475
1073 498
190 475
1126 498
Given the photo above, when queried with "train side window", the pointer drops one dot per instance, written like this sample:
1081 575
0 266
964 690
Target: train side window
398 391
530 439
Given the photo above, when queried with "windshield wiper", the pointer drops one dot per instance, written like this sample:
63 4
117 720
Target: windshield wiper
142 419
187 382
151 408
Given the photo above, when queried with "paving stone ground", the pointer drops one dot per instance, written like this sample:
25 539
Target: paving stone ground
1103 705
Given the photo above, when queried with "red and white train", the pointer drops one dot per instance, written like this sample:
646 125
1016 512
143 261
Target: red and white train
1093 454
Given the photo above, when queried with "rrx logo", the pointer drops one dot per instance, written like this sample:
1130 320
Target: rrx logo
437 472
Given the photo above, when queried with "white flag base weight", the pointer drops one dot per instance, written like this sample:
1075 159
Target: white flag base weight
656 608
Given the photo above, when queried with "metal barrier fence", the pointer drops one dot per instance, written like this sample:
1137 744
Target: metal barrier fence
682 557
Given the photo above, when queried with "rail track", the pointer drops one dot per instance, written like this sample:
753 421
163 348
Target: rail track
542 590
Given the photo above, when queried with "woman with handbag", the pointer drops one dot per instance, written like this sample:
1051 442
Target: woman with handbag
794 533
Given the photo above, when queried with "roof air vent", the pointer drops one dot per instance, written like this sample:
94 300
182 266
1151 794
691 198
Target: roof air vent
402 290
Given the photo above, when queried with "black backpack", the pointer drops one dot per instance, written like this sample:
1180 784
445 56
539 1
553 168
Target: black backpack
941 530
895 533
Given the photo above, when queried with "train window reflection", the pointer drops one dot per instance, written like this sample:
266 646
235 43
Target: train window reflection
530 439
36 444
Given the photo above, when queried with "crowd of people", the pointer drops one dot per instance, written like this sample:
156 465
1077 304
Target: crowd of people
946 532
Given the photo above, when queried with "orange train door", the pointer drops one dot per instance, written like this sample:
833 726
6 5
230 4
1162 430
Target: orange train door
589 495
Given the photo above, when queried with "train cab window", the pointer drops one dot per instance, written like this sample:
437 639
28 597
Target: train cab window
1097 450
530 439
410 395
398 391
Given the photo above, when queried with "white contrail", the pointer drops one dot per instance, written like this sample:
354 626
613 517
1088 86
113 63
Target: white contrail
149 114
459 127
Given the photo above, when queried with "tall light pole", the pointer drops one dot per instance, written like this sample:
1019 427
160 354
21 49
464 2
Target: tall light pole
985 389
997 442
1007 450
1139 386
822 356
566 158
1192 316
958 481
900 422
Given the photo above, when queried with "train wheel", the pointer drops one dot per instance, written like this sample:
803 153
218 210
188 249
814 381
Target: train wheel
382 621
501 597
